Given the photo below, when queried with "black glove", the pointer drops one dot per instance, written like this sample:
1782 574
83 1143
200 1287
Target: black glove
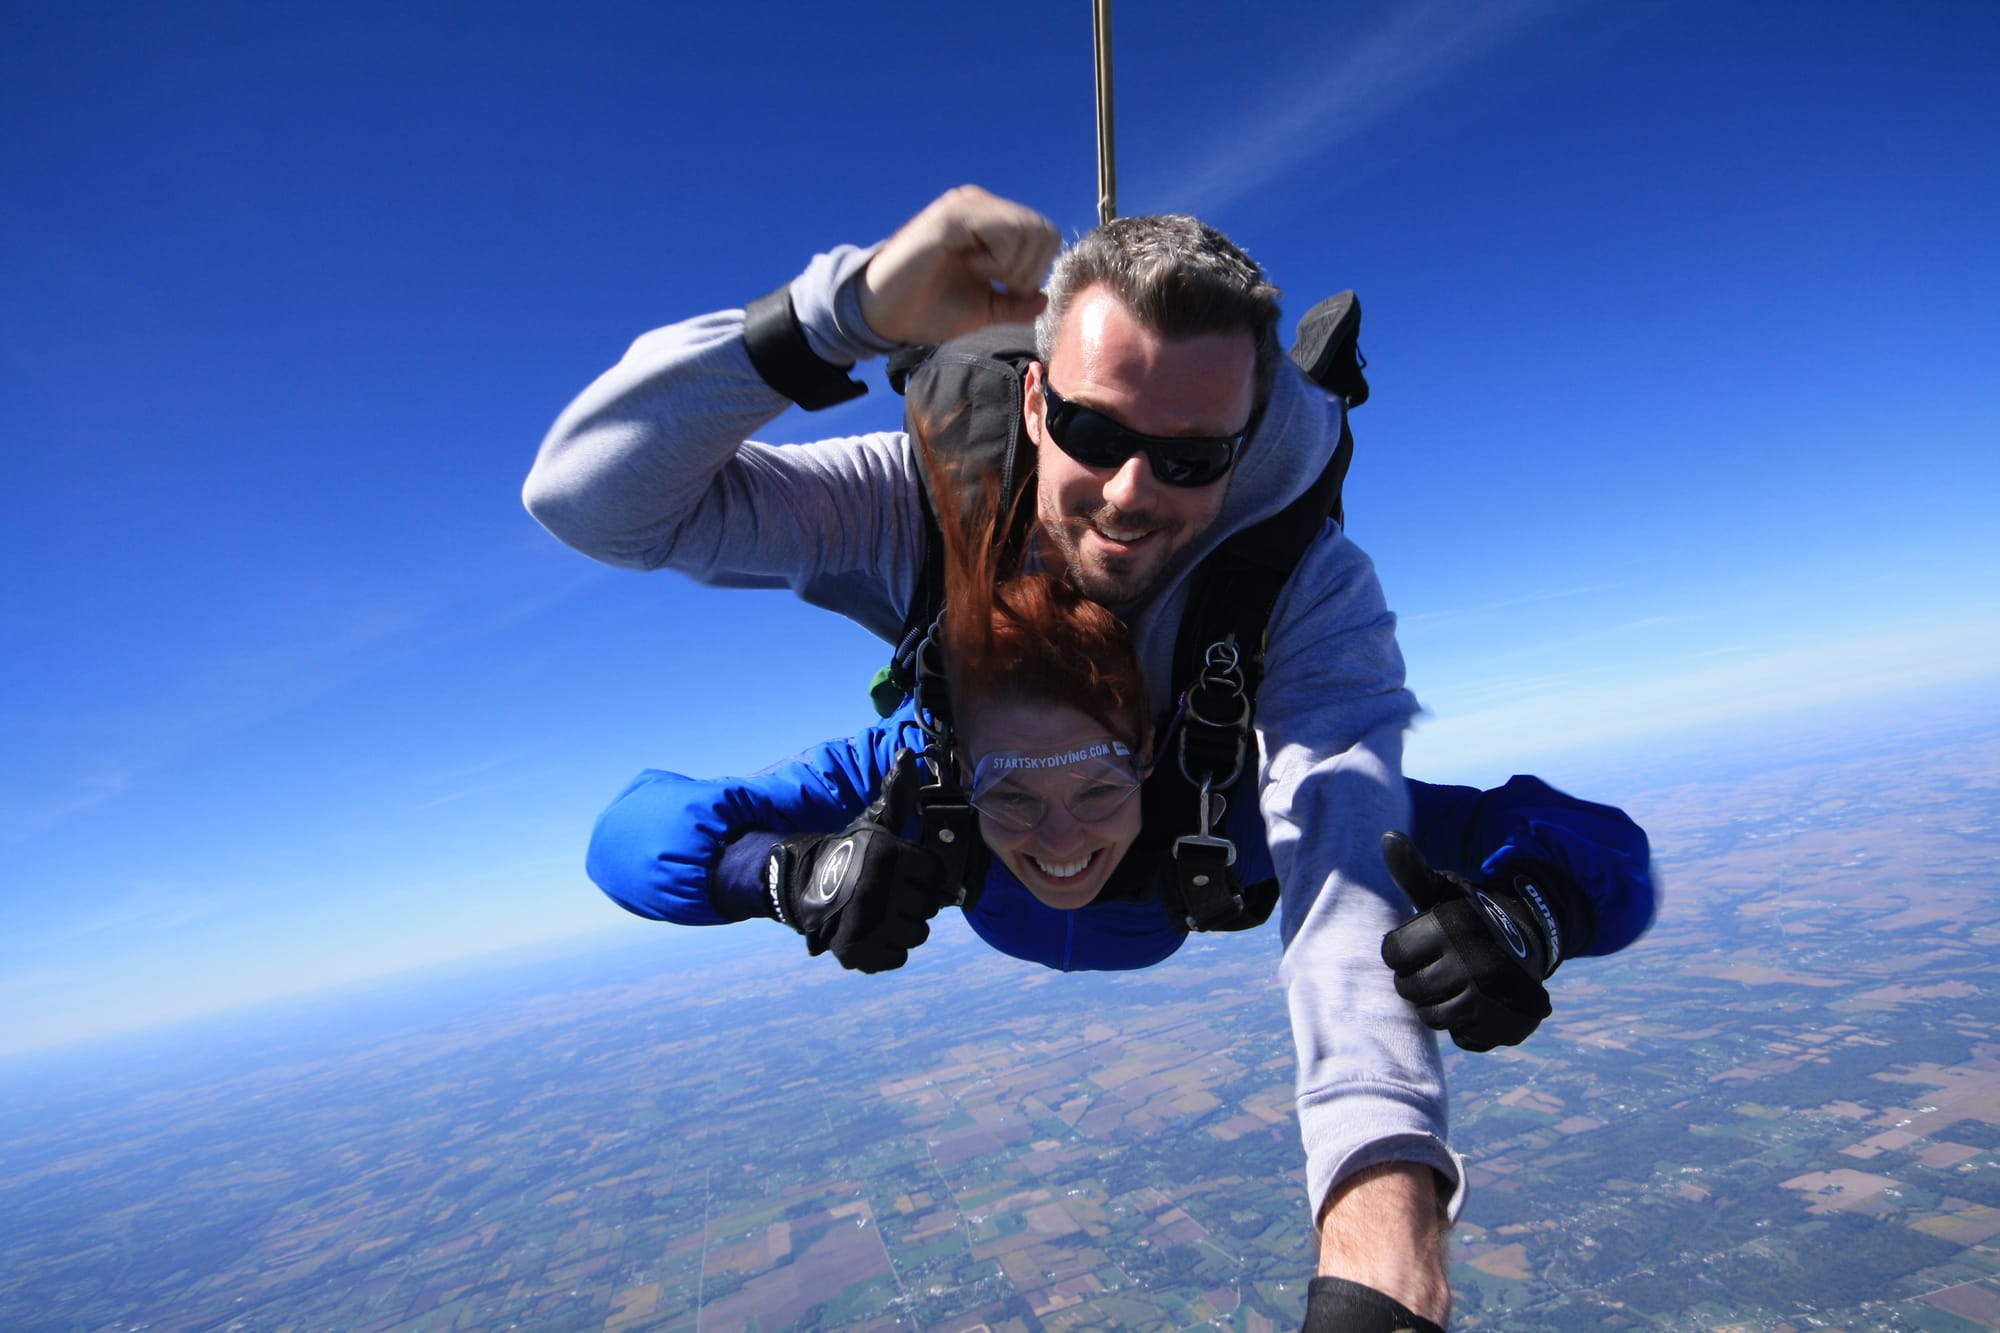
1474 959
865 894
1335 1305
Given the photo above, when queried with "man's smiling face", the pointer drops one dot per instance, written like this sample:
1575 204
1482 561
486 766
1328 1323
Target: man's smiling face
1115 528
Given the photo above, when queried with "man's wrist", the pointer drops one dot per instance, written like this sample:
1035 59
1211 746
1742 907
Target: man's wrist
1336 1305
848 320
827 300
1384 1227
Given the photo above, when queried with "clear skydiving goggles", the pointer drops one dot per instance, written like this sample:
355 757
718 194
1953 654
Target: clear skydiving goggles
1093 780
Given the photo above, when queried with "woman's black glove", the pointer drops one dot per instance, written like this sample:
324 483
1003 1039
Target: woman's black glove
1474 958
864 894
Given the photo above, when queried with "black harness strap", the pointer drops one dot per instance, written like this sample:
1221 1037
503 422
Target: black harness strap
951 833
950 825
1214 744
1229 606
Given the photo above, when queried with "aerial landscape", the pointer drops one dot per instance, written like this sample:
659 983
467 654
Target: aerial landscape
1781 1110
1680 349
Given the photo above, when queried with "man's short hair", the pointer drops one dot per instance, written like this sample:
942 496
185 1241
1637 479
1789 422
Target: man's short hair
1179 276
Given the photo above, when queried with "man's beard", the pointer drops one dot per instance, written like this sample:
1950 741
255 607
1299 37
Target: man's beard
1114 581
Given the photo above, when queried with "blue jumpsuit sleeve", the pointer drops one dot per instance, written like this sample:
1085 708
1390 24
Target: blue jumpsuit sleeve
1594 855
655 850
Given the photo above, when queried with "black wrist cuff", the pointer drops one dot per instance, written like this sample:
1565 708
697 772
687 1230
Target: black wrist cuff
782 356
736 888
1335 1305
1574 915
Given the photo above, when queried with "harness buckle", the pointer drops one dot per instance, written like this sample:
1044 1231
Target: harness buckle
1200 859
951 833
1212 808
1209 892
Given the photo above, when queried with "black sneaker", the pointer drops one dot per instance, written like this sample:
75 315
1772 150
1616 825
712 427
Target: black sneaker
1328 348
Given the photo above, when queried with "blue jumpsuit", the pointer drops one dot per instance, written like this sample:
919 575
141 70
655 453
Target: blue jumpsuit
658 850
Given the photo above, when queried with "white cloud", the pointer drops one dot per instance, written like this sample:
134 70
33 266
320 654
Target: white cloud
105 779
143 911
1416 47
1431 619
1539 721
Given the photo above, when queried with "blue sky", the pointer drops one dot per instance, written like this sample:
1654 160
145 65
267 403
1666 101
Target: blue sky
1681 319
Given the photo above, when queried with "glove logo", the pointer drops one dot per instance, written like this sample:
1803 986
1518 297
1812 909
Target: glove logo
1505 925
828 874
1534 896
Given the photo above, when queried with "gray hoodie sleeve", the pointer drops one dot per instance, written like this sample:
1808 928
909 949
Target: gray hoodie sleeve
1331 715
653 467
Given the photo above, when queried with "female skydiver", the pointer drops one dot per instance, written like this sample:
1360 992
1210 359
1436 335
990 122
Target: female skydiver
1053 741
1050 749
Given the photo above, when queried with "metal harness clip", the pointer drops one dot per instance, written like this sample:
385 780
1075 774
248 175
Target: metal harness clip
1203 858
1200 857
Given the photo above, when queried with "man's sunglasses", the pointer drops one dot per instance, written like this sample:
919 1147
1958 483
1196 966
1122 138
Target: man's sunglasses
1095 440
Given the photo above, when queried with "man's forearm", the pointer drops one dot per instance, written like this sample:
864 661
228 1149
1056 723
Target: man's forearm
646 467
1384 1227
632 455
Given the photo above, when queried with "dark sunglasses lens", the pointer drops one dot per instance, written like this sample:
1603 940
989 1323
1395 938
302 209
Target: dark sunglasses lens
1094 441
1097 441
1191 463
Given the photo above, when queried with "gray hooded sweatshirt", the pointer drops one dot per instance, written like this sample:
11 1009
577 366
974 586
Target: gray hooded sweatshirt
652 467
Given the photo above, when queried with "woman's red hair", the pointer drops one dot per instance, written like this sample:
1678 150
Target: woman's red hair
1026 637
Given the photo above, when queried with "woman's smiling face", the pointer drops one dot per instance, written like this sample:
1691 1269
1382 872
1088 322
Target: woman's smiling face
1053 769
